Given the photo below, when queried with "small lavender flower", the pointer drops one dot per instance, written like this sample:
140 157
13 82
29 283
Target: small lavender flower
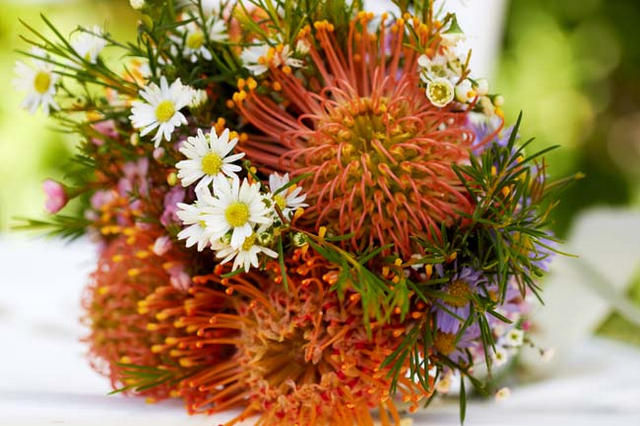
450 314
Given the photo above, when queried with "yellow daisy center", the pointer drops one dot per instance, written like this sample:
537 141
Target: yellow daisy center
211 164
164 111
445 343
248 242
41 82
195 40
280 201
237 214
460 290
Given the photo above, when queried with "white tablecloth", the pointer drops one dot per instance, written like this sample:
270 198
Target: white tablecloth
45 380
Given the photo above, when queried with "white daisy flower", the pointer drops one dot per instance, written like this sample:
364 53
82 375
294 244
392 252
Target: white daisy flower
286 58
161 109
245 256
257 58
290 199
89 44
194 215
217 30
237 209
515 337
195 40
39 83
500 356
208 157
254 58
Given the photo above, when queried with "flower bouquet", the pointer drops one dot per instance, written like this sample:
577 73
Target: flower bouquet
304 211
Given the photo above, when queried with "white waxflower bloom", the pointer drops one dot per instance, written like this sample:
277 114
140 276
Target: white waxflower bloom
464 91
440 92
500 356
245 256
208 157
89 44
38 81
437 67
237 208
515 337
137 4
289 200
451 40
161 109
193 216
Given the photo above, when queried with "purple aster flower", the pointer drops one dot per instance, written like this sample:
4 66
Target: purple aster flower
451 314
482 128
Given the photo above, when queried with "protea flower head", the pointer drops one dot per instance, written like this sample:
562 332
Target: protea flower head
379 154
304 356
132 304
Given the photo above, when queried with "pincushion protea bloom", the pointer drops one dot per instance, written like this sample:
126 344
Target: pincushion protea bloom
131 307
303 355
378 152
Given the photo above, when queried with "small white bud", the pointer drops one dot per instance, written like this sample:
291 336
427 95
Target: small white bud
464 92
503 394
137 4
483 87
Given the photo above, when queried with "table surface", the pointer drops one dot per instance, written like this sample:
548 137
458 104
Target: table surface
45 379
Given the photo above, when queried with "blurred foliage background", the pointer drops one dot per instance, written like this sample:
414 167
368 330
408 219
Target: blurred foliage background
30 148
572 66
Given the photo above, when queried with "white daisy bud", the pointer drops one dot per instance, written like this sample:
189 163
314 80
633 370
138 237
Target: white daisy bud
265 238
299 240
199 99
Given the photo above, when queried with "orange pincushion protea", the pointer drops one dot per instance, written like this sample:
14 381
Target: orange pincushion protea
303 356
130 308
379 153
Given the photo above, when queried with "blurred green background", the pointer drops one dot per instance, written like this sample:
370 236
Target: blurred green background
572 66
